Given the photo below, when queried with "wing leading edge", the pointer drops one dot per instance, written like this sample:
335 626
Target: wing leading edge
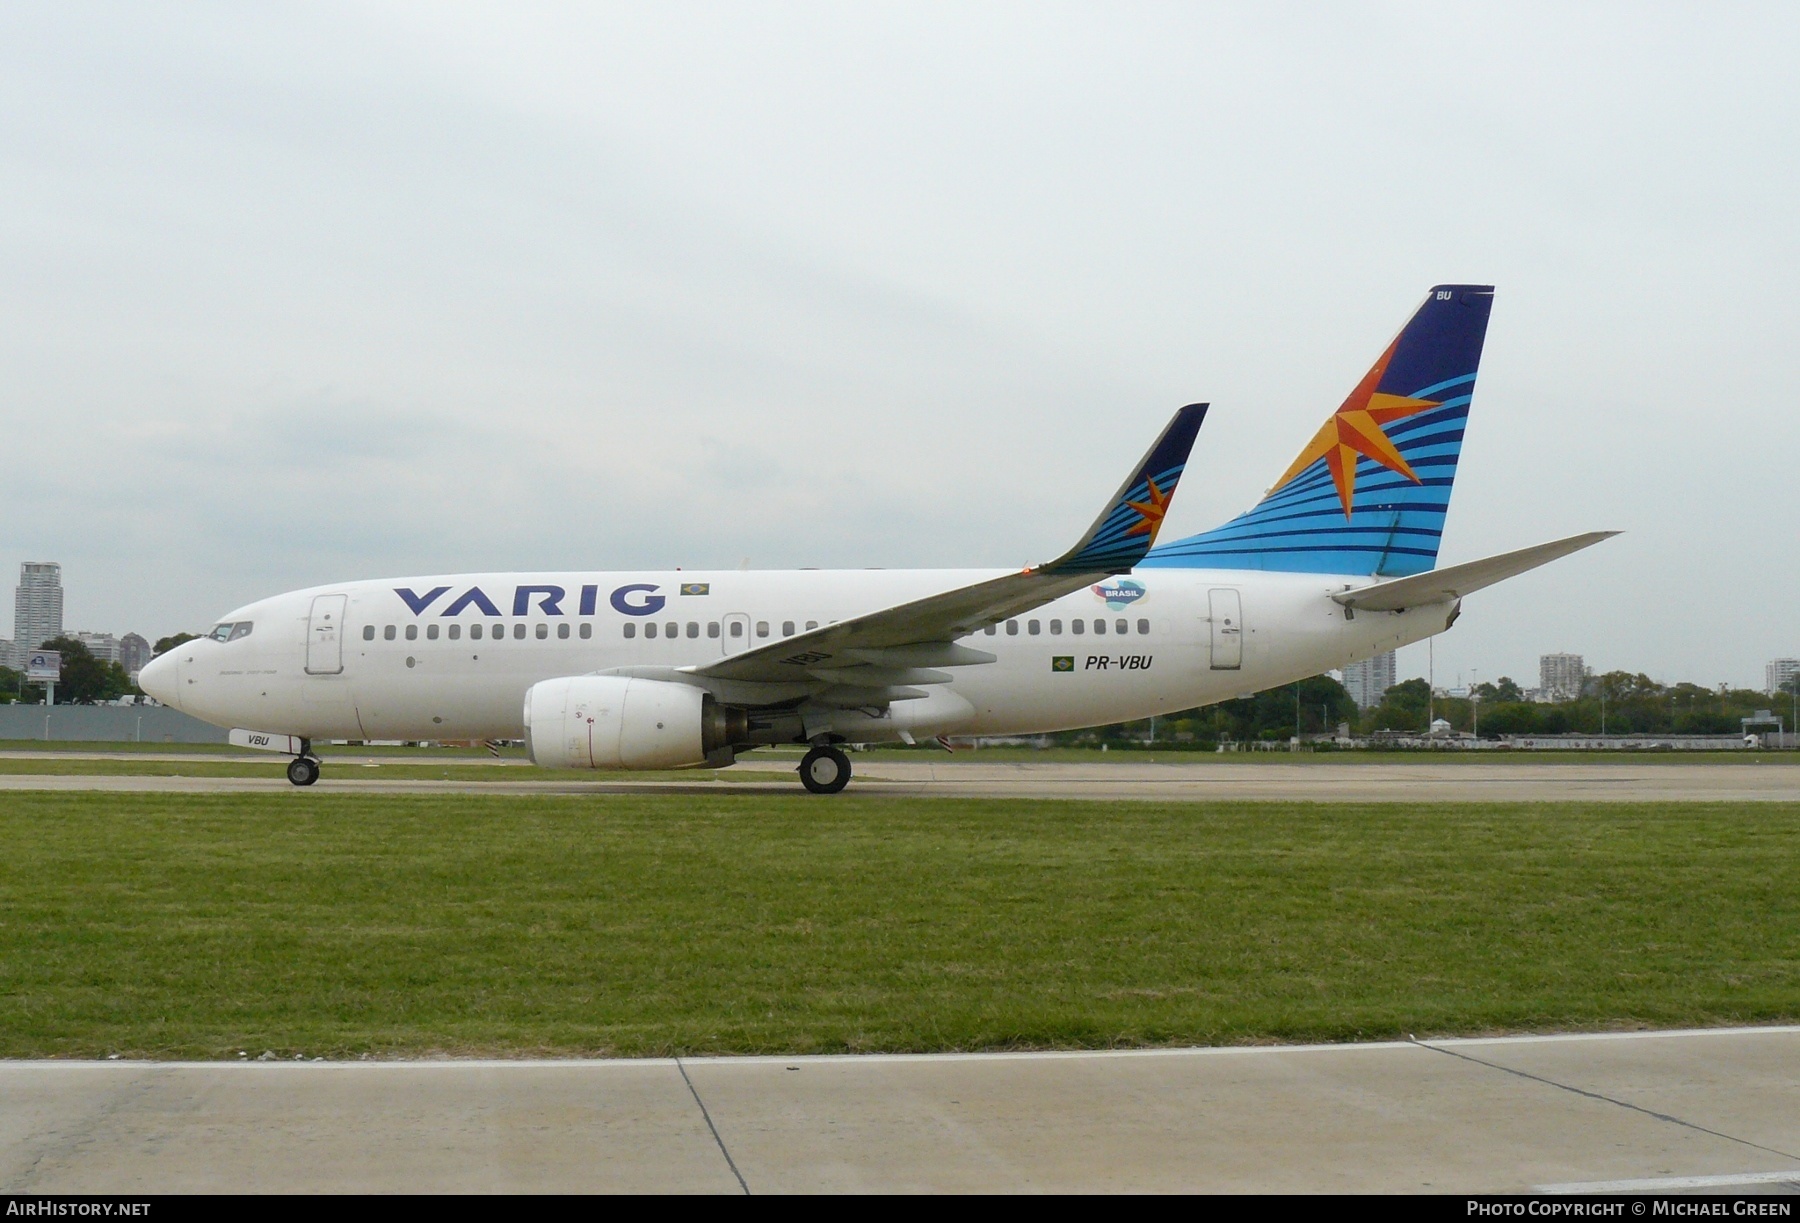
885 655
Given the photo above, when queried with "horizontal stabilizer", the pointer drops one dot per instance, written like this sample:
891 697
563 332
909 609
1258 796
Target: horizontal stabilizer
1442 585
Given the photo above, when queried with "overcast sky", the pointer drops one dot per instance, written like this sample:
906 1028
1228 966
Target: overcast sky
301 293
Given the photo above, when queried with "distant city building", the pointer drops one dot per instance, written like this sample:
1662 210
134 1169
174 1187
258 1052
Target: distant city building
9 654
1561 676
37 604
103 646
134 652
1367 681
1777 674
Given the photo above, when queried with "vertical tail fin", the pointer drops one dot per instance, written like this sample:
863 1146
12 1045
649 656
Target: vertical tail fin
1369 493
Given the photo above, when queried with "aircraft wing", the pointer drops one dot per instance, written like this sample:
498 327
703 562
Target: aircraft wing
1441 585
886 651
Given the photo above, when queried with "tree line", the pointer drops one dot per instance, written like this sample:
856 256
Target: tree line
1616 703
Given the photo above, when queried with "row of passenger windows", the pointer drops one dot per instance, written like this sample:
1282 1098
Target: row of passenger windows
1120 626
731 628
455 632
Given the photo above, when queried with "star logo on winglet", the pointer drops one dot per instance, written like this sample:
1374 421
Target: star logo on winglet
1151 512
1356 430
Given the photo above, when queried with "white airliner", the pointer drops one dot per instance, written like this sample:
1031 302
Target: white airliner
671 670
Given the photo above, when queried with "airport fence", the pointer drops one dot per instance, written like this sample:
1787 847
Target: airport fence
105 724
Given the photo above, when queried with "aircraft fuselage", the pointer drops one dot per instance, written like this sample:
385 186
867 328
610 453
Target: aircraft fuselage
453 656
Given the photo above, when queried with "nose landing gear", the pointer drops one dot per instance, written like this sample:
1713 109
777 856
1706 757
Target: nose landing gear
825 770
303 770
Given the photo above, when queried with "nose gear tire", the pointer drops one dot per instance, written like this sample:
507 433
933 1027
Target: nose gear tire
825 770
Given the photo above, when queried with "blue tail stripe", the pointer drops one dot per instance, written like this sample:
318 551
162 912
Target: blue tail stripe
1446 384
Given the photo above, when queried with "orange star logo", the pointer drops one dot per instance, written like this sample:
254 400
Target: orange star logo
1355 429
1151 512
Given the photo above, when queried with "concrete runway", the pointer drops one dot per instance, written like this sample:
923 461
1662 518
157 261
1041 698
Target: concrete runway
1675 1111
1757 779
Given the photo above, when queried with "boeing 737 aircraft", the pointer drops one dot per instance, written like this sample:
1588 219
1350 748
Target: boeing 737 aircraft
670 670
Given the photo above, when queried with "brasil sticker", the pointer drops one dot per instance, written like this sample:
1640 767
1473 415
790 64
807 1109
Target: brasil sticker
1120 595
1063 662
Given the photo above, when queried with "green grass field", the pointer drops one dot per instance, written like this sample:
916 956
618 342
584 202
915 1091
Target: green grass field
177 926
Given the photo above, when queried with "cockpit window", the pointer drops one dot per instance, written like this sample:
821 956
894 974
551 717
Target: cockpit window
241 629
231 631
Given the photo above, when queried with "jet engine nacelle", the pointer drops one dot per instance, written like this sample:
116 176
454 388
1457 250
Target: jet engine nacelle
611 722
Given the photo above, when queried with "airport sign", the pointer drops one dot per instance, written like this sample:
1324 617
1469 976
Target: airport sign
43 666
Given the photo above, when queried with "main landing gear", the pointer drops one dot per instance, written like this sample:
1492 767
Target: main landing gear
825 770
303 770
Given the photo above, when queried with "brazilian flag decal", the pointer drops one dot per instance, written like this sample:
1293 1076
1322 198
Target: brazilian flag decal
696 588
1062 662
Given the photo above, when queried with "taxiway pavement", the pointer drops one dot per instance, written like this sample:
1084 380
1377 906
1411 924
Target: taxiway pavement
1679 1111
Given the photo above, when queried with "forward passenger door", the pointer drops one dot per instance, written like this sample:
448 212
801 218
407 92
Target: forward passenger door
325 635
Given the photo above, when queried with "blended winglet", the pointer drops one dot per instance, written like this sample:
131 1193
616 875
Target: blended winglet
1127 528
869 653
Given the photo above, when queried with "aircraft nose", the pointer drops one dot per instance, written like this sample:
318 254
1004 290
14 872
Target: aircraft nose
158 679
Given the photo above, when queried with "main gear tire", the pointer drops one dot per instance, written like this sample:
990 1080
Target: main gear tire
825 770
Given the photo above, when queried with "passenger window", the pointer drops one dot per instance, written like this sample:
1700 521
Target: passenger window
543 631
518 632
368 632
431 632
672 629
787 628
412 632
587 630
1122 627
1143 628
455 632
1012 628
811 625
762 628
474 632
1078 627
1031 626
562 632
1056 628
630 628
737 628
990 630
693 628
650 628
499 632
712 628
387 634
1100 627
